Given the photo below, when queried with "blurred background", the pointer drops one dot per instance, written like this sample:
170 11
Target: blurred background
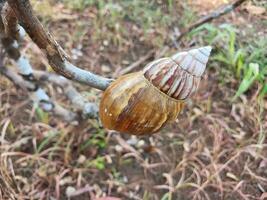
215 150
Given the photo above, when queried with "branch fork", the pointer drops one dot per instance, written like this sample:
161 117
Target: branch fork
10 33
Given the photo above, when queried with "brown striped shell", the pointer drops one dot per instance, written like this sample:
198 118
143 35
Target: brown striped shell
179 75
143 102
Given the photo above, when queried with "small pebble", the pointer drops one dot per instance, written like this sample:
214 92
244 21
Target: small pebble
118 148
70 191
186 146
140 143
105 43
81 159
132 141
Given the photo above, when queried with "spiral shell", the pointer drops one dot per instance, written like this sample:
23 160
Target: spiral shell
143 102
132 105
178 76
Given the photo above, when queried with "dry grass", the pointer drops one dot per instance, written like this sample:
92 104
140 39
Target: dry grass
216 150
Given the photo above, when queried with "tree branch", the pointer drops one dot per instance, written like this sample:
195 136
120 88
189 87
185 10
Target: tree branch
211 16
15 78
25 80
89 110
10 22
38 96
55 55
137 64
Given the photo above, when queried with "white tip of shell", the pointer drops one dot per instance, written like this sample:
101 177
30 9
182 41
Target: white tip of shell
22 32
194 61
206 49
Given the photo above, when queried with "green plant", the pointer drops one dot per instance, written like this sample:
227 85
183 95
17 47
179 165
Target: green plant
47 141
113 16
98 163
188 16
228 51
249 77
97 139
247 61
255 69
167 196
79 4
146 195
170 5
41 115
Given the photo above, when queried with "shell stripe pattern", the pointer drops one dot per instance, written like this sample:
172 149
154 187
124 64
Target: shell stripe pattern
143 102
155 120
179 75
122 92
134 105
138 110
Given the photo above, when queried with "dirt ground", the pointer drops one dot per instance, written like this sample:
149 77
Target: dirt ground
216 149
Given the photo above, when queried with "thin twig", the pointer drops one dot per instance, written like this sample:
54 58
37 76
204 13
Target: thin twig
15 78
137 64
25 80
26 86
55 54
211 16
89 110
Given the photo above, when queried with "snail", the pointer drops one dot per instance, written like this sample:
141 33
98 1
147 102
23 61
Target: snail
143 102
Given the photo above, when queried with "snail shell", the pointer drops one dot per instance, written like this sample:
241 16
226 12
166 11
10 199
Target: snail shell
143 102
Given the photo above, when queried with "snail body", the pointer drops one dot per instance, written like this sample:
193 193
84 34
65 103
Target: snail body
142 102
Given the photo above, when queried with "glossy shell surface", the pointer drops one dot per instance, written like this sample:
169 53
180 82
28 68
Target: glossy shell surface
143 102
132 105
